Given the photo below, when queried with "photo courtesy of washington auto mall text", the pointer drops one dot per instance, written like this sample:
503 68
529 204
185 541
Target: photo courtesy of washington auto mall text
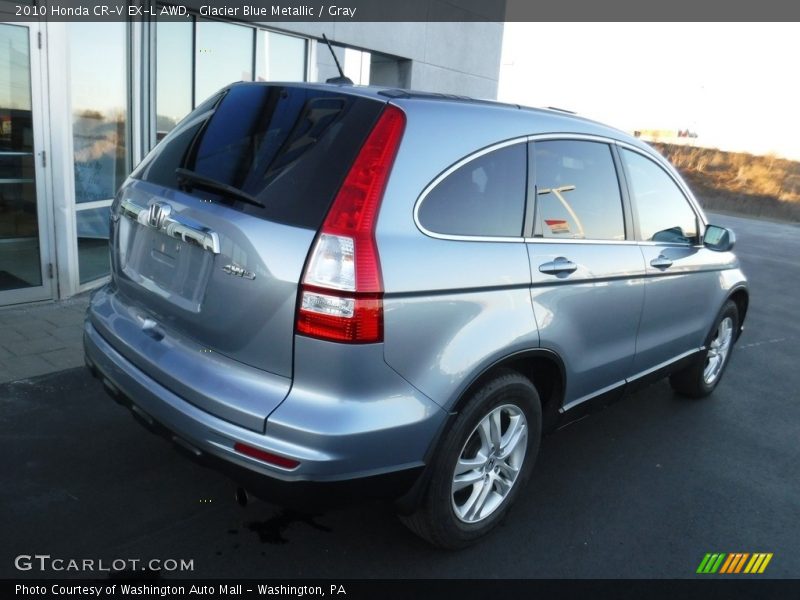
112 590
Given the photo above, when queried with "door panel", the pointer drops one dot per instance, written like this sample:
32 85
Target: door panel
684 289
23 252
682 297
587 274
589 316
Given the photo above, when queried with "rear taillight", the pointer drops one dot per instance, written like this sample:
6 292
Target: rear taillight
341 295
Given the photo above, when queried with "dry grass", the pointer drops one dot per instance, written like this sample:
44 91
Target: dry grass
762 186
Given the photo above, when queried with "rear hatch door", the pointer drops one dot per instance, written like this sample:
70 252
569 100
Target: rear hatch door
211 232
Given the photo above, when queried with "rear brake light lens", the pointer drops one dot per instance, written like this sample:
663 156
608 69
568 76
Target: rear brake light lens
342 290
341 319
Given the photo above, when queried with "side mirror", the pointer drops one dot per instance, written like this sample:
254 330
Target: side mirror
719 238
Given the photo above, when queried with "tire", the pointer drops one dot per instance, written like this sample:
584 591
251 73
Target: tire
491 478
701 377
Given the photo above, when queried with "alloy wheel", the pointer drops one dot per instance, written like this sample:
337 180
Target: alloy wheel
718 351
489 463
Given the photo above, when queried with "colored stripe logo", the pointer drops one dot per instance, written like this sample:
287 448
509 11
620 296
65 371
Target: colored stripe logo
733 563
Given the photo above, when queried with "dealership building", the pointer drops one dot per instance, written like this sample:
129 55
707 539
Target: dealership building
81 103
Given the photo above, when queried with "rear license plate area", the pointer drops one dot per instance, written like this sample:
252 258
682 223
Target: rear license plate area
176 270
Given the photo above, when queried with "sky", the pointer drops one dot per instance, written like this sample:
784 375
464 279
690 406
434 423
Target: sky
734 84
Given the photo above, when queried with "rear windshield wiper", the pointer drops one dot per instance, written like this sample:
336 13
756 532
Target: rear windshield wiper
189 178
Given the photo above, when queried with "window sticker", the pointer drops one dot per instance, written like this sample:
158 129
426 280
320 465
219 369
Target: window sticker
557 225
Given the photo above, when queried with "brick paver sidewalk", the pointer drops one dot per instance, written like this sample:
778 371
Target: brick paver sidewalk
37 339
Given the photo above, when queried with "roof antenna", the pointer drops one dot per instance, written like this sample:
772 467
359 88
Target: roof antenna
342 78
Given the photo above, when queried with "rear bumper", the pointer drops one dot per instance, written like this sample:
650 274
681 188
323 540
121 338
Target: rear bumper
358 451
299 495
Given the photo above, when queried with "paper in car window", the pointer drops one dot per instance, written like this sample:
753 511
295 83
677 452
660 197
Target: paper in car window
557 225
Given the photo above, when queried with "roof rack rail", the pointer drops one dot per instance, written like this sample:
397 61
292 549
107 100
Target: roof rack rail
399 93
563 110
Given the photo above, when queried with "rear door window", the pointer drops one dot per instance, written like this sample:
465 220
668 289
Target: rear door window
288 147
577 191
483 197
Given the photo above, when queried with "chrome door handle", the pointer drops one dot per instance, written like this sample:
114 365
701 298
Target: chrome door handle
558 266
661 262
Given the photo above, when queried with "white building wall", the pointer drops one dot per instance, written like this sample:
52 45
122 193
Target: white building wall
451 58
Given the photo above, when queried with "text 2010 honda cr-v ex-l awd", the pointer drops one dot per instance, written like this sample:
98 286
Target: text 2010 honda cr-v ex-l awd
327 285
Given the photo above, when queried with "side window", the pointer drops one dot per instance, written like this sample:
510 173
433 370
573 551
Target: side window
484 197
577 191
663 211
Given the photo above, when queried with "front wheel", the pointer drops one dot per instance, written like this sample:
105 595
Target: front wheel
701 377
483 464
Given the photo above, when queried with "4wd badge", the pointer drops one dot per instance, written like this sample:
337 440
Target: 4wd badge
237 271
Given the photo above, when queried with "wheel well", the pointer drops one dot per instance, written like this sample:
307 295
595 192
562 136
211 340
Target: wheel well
742 299
543 370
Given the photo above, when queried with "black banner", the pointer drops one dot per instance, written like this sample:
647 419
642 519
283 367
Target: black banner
688 589
364 11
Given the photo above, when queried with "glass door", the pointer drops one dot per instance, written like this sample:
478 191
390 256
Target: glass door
25 272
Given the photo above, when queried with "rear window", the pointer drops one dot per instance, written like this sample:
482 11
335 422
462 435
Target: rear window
484 197
288 147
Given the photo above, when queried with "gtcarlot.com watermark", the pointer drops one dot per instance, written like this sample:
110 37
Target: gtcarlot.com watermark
46 563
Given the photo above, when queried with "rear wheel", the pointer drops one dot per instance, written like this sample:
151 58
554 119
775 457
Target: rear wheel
701 377
483 464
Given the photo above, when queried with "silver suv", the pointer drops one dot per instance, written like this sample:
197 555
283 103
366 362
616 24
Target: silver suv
342 288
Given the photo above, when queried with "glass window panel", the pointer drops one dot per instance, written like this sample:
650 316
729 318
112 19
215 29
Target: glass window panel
15 89
99 87
19 231
19 236
578 193
356 66
173 74
484 197
284 57
265 140
93 257
224 54
663 211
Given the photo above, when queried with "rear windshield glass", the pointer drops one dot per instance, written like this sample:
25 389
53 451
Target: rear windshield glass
289 148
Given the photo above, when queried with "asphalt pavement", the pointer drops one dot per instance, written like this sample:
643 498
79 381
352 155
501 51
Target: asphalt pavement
643 489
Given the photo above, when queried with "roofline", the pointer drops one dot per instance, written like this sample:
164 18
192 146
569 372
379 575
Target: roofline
387 94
